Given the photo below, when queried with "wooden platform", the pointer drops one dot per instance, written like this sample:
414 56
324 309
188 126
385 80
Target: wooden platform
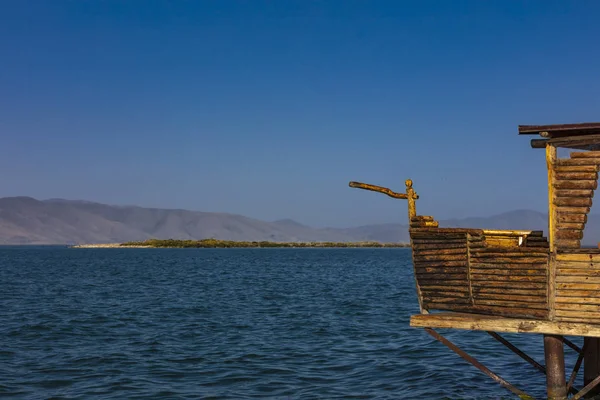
479 322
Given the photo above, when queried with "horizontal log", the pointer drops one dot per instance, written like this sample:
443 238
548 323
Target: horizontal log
577 279
433 293
574 176
423 276
577 293
442 282
448 231
578 300
539 254
577 286
573 210
505 232
571 176
581 218
454 300
440 257
512 272
579 321
444 288
577 314
439 246
578 272
588 193
507 250
441 239
515 303
573 201
511 285
500 267
578 257
569 234
577 161
440 242
441 270
537 244
492 323
418 218
512 312
506 260
575 168
477 291
571 225
425 224
579 307
567 243
585 154
508 278
579 185
426 252
522 298
440 263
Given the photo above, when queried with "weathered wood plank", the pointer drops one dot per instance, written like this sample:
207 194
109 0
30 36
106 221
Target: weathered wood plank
508 278
511 266
439 246
509 291
576 168
475 322
510 252
577 286
589 194
577 279
585 154
573 210
578 161
576 175
441 270
434 293
507 260
578 300
447 288
510 285
562 217
579 272
438 299
524 298
578 293
580 307
569 234
567 243
424 277
573 201
440 257
433 251
440 263
511 272
578 185
578 257
515 303
571 225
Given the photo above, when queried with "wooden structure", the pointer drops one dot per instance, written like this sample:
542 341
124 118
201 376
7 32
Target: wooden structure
520 281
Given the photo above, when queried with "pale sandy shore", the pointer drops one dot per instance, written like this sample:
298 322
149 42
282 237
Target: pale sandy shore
105 246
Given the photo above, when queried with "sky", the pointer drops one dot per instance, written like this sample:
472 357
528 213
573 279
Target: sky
268 109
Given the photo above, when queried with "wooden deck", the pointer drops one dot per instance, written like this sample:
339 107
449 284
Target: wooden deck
478 322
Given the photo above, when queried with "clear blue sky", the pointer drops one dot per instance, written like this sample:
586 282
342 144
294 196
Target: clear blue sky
268 109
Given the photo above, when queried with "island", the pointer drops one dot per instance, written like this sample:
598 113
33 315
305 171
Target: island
216 243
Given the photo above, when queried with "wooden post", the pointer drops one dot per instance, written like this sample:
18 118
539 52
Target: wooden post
554 354
550 161
410 195
591 363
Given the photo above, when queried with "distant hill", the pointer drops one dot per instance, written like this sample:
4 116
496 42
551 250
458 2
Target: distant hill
24 220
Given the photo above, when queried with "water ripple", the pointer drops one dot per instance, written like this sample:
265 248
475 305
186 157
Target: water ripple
232 324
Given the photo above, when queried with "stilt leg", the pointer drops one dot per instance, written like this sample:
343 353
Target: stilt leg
555 367
591 363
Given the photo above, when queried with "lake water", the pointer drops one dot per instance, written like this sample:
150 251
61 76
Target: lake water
233 324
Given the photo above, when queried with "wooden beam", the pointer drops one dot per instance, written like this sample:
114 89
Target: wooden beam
479 322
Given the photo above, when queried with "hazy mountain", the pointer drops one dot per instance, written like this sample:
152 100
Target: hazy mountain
24 220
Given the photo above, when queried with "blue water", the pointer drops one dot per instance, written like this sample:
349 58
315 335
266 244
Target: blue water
233 324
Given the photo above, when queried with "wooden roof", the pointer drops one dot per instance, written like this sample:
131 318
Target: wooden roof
584 136
562 130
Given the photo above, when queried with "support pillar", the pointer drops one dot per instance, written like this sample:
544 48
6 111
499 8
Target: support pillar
555 367
591 363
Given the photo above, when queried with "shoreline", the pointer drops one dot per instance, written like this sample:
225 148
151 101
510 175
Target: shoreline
213 243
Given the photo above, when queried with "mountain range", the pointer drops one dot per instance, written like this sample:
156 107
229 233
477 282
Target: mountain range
25 220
